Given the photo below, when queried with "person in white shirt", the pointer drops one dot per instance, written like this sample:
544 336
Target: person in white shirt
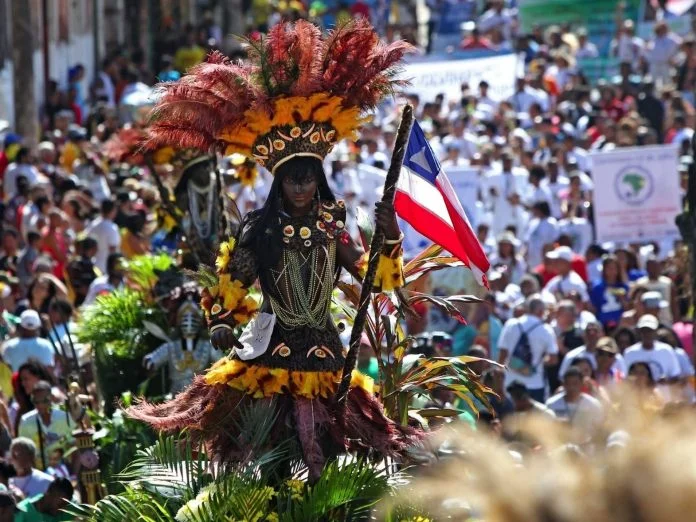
660 53
17 351
683 132
576 156
458 137
579 232
579 409
372 156
593 256
526 360
20 167
105 232
107 283
586 49
47 425
556 183
541 231
483 98
656 282
504 190
659 356
497 17
626 46
567 282
28 480
593 342
525 96
536 190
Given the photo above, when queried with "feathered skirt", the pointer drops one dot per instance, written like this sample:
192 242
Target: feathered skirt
210 409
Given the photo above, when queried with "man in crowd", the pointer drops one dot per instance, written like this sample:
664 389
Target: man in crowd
47 507
111 280
525 404
29 480
29 344
575 407
105 232
48 426
660 356
526 346
593 342
567 281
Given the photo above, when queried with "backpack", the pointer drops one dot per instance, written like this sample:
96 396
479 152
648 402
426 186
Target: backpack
521 357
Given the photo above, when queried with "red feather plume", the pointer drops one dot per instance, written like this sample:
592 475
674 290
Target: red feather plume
294 60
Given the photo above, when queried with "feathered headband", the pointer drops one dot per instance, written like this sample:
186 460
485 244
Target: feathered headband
297 95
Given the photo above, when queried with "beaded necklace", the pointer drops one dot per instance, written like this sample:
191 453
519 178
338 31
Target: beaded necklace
307 302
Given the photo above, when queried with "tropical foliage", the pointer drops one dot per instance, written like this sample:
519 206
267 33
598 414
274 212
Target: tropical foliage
113 327
118 440
172 481
400 381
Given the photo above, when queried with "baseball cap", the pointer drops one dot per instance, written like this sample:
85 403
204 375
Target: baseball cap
30 320
653 299
648 321
563 252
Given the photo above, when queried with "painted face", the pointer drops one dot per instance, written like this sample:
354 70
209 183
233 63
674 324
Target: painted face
299 190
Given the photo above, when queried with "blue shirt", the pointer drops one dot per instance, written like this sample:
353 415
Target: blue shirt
606 302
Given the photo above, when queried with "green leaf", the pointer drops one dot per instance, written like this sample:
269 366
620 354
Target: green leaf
438 412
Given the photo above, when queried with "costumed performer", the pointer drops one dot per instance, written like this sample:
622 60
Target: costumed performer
286 108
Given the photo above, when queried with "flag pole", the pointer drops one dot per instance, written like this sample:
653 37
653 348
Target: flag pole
375 249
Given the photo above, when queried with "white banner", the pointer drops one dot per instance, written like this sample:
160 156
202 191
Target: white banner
430 78
637 195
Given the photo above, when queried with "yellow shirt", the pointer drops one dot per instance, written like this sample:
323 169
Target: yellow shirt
70 153
6 382
187 57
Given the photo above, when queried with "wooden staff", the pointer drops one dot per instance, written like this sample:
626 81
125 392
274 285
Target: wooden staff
375 250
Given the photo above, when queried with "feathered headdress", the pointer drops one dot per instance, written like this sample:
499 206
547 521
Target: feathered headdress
125 146
297 95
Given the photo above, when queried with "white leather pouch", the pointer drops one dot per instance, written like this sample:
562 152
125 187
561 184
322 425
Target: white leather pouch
256 336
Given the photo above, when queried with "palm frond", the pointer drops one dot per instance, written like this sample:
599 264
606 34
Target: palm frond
343 492
171 467
132 505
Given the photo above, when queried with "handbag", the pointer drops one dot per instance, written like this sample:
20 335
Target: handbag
256 336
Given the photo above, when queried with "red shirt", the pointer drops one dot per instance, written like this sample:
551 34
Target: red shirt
615 109
578 265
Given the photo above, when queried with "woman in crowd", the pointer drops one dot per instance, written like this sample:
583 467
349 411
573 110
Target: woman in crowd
23 382
609 294
628 261
42 290
134 242
624 337
507 256
641 376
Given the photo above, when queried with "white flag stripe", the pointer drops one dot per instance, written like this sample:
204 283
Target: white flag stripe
425 192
